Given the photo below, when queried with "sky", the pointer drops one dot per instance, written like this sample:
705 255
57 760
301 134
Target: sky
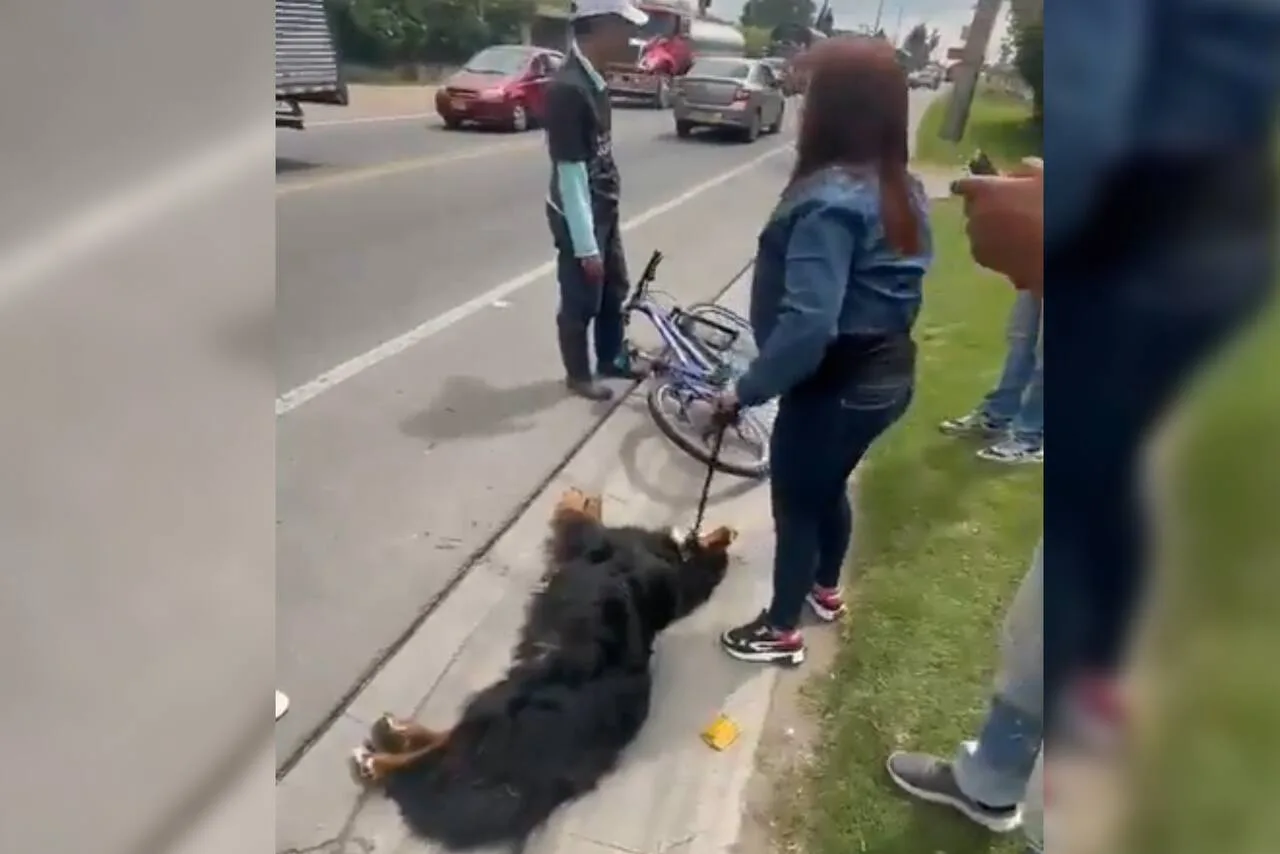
947 16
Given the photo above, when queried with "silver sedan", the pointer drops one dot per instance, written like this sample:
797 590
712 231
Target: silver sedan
744 95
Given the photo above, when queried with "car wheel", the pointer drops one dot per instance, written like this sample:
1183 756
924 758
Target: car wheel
453 123
752 131
776 127
684 129
519 119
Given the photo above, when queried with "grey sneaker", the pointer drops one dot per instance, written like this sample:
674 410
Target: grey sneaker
976 423
933 780
590 389
1013 452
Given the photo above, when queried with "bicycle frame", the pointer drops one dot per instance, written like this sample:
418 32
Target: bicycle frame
689 365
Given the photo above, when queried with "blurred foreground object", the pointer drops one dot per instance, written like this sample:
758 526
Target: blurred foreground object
1160 221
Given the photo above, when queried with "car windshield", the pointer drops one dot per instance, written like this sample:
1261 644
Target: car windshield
714 67
498 60
659 24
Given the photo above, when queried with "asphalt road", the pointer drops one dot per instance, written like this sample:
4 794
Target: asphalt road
389 237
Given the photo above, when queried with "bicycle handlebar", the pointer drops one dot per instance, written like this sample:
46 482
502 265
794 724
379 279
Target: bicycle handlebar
646 278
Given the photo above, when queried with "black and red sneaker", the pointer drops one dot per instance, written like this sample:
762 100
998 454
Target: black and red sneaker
826 603
760 642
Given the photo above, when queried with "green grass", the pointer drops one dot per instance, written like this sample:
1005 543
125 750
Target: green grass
1211 777
999 124
943 540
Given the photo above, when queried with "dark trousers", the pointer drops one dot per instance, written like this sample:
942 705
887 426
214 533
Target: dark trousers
585 304
818 440
1124 345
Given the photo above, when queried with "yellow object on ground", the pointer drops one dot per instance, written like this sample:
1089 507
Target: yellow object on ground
721 733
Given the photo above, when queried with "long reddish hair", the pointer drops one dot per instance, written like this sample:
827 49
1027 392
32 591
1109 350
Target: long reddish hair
855 116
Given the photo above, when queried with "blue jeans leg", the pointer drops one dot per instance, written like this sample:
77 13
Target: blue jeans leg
818 440
1022 334
1028 424
996 768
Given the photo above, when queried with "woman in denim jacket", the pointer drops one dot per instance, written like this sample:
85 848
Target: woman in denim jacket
836 292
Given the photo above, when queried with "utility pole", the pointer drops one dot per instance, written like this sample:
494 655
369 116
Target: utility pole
875 28
985 13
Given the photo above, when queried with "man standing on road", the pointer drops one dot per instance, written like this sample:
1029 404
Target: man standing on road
582 206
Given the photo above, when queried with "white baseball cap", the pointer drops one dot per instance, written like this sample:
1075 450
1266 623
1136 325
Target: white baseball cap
623 8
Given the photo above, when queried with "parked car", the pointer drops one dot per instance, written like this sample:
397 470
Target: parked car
501 86
743 95
925 78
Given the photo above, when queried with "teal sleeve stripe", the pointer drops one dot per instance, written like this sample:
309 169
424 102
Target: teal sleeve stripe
575 195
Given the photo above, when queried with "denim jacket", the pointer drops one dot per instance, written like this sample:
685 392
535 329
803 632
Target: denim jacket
823 269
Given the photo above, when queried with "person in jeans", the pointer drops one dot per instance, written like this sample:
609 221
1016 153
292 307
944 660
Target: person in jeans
835 294
582 202
1013 411
988 778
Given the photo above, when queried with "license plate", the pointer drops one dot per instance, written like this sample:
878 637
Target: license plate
460 105
704 117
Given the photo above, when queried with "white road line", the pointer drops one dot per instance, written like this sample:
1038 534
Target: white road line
371 120
309 391
140 203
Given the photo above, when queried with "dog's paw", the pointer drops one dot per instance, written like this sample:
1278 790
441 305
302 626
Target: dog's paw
574 503
364 766
718 540
387 735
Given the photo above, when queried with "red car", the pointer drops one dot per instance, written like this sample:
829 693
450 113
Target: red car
502 86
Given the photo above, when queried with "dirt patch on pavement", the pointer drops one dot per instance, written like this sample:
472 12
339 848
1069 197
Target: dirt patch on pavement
778 788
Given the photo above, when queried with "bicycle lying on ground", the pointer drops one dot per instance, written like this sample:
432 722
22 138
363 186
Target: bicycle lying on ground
704 348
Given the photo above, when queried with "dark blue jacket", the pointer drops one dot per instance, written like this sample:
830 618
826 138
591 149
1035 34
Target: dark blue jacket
823 269
1134 78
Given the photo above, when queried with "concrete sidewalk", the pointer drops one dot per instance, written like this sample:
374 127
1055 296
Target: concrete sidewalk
672 792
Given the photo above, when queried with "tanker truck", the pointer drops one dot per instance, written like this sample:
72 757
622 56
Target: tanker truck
678 32
306 61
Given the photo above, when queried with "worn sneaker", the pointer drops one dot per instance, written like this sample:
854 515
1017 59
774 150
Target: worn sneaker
590 389
1013 452
976 423
933 780
760 642
826 603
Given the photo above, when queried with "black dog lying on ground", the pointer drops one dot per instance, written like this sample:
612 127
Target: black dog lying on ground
575 697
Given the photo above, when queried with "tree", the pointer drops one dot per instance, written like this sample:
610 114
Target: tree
771 13
1006 49
757 40
1026 27
919 46
390 32
1029 60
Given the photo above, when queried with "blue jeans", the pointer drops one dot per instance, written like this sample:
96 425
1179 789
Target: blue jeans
996 768
1017 402
818 440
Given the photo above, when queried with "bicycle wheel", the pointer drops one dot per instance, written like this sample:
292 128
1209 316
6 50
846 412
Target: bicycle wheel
685 418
